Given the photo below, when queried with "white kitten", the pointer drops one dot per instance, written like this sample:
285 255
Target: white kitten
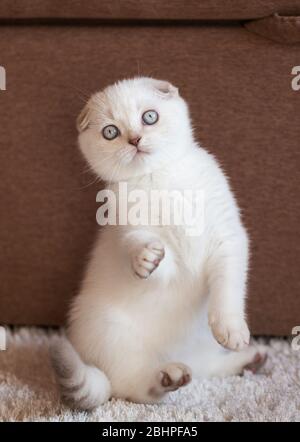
155 301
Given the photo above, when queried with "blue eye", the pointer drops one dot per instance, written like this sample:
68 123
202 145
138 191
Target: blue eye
150 117
110 132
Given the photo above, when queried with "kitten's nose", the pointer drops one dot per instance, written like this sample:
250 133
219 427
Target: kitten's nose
134 141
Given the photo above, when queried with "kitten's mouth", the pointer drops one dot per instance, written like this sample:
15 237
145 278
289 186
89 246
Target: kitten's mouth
141 151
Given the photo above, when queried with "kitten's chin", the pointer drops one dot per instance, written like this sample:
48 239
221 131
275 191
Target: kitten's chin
142 163
138 166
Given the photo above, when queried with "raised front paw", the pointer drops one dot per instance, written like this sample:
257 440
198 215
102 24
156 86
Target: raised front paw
231 331
147 259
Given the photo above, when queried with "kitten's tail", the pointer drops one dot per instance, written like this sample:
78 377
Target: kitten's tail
82 386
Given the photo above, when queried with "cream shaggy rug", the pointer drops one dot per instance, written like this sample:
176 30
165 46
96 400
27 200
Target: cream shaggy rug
28 391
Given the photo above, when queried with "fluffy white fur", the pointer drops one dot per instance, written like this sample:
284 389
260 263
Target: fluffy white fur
155 303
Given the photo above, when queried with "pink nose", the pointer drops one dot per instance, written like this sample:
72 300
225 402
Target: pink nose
134 141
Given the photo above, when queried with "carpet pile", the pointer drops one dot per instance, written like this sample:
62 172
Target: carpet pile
28 391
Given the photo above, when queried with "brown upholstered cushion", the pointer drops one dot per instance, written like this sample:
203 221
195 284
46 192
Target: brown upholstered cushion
284 29
150 9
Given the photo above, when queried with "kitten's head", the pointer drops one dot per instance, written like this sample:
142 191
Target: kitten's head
134 127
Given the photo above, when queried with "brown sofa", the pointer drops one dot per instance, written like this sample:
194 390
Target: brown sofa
231 60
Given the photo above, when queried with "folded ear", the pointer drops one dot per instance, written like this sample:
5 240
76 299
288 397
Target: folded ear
163 88
83 118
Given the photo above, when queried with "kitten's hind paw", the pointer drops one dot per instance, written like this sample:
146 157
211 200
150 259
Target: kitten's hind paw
148 259
174 376
258 360
171 377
